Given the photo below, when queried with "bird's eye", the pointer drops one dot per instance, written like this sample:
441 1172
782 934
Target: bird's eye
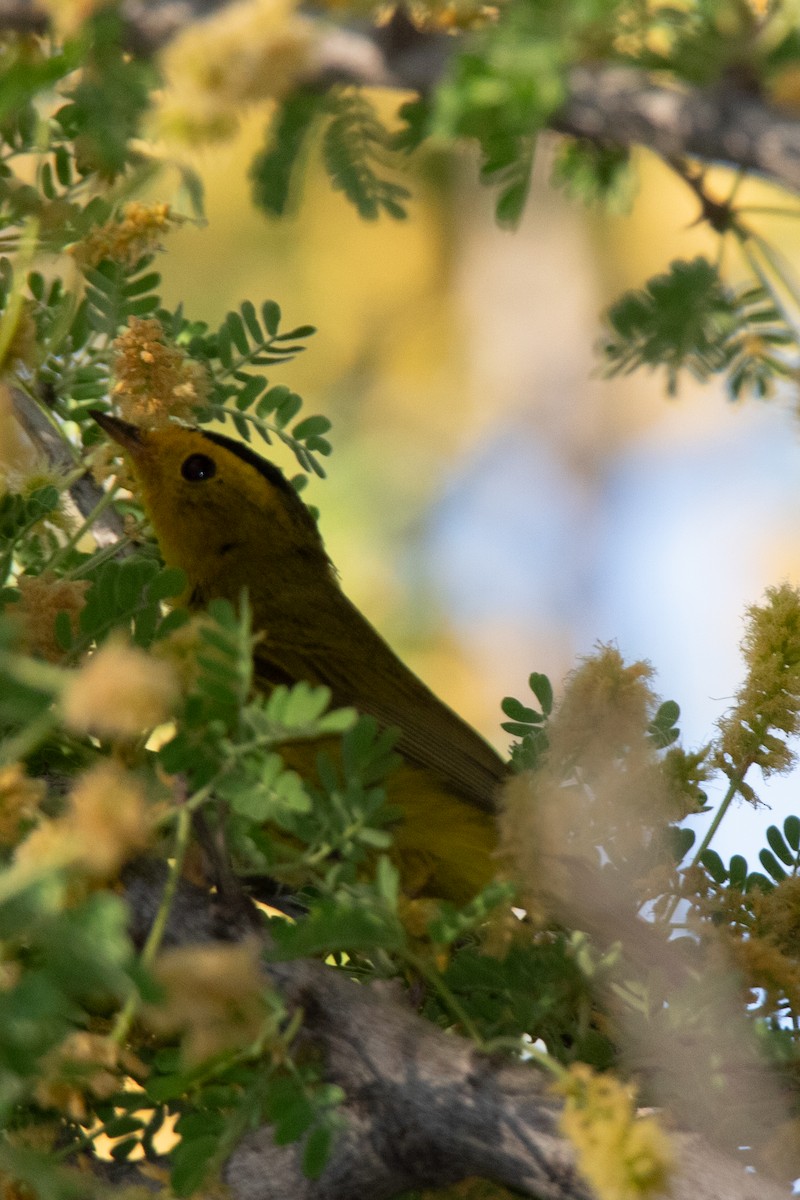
198 467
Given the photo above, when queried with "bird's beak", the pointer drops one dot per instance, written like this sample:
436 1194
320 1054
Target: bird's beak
129 436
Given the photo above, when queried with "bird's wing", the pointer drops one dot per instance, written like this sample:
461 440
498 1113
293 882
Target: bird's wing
343 651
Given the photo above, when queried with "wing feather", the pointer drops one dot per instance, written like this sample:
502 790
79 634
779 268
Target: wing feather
343 651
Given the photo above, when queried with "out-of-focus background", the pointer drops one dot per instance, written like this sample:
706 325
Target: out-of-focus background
493 504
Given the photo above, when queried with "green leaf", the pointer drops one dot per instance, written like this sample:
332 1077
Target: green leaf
758 882
288 409
250 317
519 712
737 872
771 865
377 839
354 145
337 926
263 791
316 1151
63 166
515 729
250 392
190 1161
300 331
142 284
304 704
662 728
237 332
121 1125
596 174
791 828
714 865
121 1151
680 842
542 689
224 347
511 201
169 582
778 845
275 170
270 401
338 720
271 316
288 1108
311 427
682 320
111 94
63 630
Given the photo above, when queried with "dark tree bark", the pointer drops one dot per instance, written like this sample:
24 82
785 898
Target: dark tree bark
423 1108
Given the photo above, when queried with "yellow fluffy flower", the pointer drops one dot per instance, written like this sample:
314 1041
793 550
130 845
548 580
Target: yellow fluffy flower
250 51
215 994
126 238
42 598
68 16
109 818
155 380
766 714
623 1156
84 1065
20 797
120 692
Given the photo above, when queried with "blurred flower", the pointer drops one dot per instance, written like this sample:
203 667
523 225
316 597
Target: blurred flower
106 461
67 16
85 1064
125 239
215 994
23 347
445 14
120 692
251 51
109 818
591 812
51 846
20 797
42 598
783 87
181 647
155 379
622 1156
767 709
606 709
771 975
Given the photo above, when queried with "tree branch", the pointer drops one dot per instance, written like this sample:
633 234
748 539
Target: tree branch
607 103
423 1108
628 108
86 494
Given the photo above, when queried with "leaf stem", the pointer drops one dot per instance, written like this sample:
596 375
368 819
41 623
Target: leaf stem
736 781
13 309
18 747
158 928
99 558
103 503
767 284
451 1001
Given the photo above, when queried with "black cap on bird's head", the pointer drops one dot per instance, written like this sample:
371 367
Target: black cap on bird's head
135 440
193 481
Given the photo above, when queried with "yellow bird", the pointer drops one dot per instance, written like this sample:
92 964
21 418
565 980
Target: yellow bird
231 520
